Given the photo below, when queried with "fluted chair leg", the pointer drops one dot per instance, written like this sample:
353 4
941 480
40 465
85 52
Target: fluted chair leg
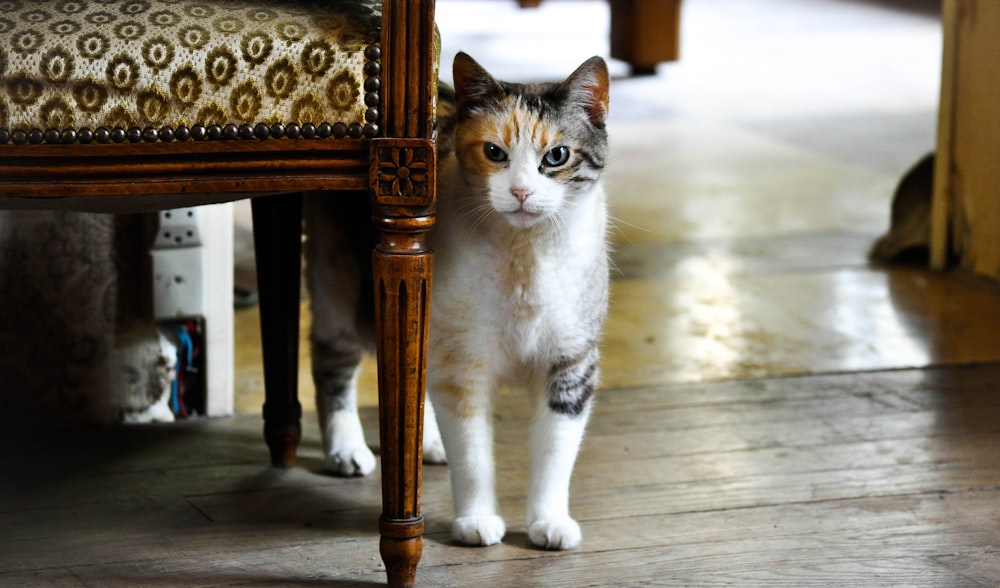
403 272
403 304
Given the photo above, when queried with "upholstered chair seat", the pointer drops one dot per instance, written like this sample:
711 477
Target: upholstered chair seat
177 70
131 105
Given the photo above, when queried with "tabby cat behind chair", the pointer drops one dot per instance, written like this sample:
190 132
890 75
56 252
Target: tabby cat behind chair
519 299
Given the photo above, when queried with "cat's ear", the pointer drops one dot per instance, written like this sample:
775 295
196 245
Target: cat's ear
588 87
475 88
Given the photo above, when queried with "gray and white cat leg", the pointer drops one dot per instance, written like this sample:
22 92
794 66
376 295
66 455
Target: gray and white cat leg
433 447
341 333
555 442
468 441
344 448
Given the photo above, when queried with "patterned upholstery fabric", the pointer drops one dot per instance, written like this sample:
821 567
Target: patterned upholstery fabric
149 70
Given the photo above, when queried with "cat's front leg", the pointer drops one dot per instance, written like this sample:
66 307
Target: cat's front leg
555 441
463 415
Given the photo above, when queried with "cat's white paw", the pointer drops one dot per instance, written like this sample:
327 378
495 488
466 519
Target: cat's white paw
434 450
558 533
478 529
351 461
344 442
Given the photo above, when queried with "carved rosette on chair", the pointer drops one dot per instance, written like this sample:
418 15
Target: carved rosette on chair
130 105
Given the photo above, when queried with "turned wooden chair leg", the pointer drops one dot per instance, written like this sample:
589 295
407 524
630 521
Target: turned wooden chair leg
645 32
277 229
403 274
402 298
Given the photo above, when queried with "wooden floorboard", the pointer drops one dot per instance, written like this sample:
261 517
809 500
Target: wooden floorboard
862 479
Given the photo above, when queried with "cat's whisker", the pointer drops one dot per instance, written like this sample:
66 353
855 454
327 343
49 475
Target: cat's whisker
477 213
613 267
560 222
615 223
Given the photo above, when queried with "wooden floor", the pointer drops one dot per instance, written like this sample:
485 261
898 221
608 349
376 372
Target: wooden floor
868 479
775 411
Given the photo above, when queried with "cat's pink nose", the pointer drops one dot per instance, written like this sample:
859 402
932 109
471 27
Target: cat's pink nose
521 194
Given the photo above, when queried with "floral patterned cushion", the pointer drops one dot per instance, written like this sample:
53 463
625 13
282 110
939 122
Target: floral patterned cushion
163 70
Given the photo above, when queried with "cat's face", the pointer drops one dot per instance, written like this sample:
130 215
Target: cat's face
530 149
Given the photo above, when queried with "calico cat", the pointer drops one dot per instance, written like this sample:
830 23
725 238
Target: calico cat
520 293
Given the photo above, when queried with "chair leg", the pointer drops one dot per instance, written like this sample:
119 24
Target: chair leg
277 229
402 298
645 32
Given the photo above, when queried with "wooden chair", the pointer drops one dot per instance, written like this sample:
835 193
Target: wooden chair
137 105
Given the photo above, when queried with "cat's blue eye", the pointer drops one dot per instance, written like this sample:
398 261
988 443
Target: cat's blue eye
494 153
556 157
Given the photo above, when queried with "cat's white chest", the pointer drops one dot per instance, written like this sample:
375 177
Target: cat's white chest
539 302
521 276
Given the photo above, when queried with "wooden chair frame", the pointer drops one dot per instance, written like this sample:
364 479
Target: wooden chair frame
393 163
